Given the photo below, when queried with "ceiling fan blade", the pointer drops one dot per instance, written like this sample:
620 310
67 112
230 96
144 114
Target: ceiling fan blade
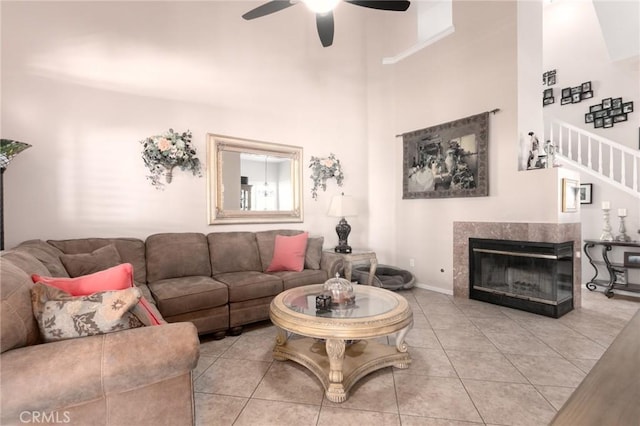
324 22
398 5
267 9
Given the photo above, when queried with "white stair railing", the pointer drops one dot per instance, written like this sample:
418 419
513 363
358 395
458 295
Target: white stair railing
610 161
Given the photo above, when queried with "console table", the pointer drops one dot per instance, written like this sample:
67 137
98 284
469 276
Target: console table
616 269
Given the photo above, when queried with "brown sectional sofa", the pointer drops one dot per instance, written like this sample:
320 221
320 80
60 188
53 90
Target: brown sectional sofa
201 284
138 376
216 281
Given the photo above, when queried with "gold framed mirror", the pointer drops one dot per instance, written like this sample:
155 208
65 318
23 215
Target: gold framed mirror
253 182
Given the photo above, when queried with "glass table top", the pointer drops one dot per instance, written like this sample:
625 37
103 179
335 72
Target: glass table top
369 302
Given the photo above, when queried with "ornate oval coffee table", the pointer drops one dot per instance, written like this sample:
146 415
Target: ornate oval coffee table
337 346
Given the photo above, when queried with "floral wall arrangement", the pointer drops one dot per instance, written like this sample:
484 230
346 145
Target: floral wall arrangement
164 152
323 169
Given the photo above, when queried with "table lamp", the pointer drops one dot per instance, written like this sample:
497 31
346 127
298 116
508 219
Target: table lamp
342 206
8 149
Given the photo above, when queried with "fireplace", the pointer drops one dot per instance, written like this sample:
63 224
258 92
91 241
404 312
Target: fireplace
531 276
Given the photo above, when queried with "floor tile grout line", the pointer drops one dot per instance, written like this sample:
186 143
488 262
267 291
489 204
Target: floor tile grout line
423 308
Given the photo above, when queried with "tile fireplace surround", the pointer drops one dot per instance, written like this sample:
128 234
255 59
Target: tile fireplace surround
540 232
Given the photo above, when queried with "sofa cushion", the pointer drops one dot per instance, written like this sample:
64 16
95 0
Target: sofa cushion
266 244
88 263
187 294
47 254
147 312
250 285
25 261
175 255
305 277
62 316
146 293
17 323
234 252
131 250
116 278
313 255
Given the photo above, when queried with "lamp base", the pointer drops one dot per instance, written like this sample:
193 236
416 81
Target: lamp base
343 229
343 249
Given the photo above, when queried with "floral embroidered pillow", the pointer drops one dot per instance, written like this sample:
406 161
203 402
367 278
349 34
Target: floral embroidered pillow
61 316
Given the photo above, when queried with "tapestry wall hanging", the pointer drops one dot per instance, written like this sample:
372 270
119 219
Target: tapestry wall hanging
448 160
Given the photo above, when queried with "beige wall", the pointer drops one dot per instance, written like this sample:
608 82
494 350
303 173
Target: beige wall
574 45
469 72
83 82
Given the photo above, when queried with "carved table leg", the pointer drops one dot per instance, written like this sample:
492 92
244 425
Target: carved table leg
401 346
348 269
591 285
335 351
612 275
281 339
372 269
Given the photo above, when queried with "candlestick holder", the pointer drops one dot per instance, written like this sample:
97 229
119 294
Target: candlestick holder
623 231
606 227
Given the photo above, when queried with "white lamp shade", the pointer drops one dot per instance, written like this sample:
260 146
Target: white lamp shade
342 206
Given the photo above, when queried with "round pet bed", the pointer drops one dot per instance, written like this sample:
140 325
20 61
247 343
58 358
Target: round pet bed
386 276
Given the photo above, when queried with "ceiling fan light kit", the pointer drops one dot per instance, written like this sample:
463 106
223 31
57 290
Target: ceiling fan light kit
324 12
321 6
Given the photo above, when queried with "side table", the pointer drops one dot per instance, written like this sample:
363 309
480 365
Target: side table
358 256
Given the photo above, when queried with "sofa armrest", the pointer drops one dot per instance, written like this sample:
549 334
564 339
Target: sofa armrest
69 372
332 263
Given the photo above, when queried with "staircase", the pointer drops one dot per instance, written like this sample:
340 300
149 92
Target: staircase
609 161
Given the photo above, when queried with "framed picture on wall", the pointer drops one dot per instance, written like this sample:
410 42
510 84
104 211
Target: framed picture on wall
449 160
585 193
548 93
598 122
570 188
548 101
566 92
606 103
616 103
566 100
596 107
608 122
588 117
587 95
619 118
586 86
627 107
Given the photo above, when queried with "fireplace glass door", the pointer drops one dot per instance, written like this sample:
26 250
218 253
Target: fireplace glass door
526 275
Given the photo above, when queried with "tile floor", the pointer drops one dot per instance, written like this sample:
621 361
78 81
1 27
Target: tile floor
473 363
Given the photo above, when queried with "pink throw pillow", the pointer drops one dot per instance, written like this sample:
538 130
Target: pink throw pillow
119 277
288 253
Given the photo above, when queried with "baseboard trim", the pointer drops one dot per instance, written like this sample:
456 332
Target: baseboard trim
436 289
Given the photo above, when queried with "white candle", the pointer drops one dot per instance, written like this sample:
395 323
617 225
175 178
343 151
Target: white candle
606 205
622 212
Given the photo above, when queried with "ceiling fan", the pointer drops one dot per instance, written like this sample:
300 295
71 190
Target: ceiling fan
324 12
